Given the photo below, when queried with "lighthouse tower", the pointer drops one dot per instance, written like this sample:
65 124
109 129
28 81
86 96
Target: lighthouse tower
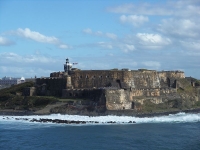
67 66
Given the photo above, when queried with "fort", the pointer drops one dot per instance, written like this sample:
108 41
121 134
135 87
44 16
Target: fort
115 89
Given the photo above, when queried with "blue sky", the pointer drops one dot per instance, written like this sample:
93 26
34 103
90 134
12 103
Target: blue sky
37 36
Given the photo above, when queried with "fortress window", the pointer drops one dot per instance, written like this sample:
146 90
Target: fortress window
100 76
86 77
94 77
107 76
80 77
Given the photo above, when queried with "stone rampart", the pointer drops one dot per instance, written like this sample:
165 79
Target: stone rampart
142 79
117 89
151 92
57 74
117 99
97 78
124 78
171 74
168 78
50 86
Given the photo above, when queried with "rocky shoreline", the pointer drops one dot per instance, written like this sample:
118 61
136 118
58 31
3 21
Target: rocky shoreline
87 113
9 114
59 121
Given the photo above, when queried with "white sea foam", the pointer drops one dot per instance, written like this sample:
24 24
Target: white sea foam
175 118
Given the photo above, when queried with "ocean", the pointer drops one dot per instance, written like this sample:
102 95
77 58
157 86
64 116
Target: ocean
173 132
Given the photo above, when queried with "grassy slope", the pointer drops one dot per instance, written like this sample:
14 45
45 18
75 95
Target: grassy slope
10 100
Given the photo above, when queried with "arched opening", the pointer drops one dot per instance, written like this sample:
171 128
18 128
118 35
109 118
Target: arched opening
132 105
174 84
168 82
119 83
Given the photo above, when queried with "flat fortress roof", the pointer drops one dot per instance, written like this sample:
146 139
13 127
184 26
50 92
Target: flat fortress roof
116 70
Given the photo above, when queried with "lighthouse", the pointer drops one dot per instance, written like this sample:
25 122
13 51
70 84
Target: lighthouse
67 66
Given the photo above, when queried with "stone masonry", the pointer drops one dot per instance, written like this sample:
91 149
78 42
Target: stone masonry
121 89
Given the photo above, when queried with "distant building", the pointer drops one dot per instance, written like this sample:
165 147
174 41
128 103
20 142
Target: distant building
11 81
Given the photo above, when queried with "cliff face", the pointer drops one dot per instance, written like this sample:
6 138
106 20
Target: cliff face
124 100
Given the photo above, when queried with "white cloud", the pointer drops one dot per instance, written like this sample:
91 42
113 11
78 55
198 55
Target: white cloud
15 70
15 58
183 8
100 33
142 9
5 42
130 47
179 8
135 20
192 46
88 31
125 8
180 27
63 46
38 37
111 35
127 47
26 72
13 64
105 45
152 39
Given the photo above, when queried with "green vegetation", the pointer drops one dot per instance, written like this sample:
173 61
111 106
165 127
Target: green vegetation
196 104
197 82
186 87
16 88
11 98
170 105
149 107
21 102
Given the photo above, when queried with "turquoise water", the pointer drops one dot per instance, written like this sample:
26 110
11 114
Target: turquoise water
166 134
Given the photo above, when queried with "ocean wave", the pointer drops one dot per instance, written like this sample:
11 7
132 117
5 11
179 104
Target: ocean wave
88 120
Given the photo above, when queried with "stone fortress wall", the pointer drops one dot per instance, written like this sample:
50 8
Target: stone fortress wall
50 86
117 89
121 78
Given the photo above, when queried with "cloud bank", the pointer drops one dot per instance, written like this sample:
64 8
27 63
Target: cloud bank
5 42
38 37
